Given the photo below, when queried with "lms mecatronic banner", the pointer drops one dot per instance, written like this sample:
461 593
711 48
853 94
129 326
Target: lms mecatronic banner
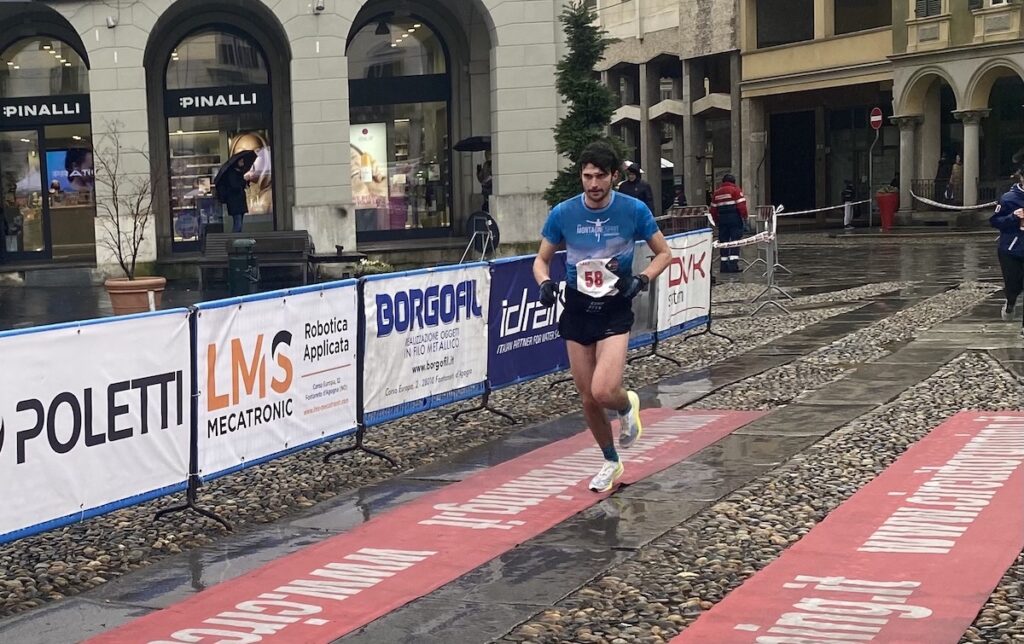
684 290
426 339
95 417
277 372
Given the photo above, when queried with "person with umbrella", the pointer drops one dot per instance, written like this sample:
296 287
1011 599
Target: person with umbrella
231 185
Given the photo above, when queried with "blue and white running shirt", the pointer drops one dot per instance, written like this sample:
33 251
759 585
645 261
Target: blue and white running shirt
599 243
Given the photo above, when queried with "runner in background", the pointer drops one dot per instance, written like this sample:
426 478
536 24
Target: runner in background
729 210
1009 219
598 230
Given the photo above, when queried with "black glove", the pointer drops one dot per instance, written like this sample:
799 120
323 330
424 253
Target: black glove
630 287
548 293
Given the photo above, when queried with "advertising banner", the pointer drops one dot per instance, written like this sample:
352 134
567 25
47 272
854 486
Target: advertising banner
95 417
277 373
684 290
426 339
369 158
523 339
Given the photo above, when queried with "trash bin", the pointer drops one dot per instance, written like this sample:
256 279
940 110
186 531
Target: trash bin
243 271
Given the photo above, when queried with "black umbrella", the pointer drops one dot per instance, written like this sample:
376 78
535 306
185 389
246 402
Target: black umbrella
474 144
249 158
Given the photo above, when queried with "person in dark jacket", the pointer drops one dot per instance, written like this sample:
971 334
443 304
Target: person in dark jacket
636 187
1009 220
231 190
729 210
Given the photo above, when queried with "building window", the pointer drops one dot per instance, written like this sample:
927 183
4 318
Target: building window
218 105
780 22
862 15
47 180
399 142
926 8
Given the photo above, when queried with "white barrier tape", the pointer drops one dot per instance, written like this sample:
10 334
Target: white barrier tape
991 204
706 214
778 209
759 238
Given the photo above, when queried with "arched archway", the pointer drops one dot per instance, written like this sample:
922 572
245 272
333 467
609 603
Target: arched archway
995 95
218 77
419 82
932 95
47 182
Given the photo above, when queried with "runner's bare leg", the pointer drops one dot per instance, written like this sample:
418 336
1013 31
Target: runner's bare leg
582 363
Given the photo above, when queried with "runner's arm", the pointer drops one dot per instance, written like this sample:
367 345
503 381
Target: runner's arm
662 256
542 263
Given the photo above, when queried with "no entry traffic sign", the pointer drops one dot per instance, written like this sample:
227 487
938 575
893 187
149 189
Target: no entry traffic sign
876 118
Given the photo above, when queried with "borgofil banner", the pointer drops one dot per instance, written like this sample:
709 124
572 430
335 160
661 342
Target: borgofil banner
684 289
277 373
426 339
523 338
93 417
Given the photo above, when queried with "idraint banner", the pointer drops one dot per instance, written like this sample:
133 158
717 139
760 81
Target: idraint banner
523 338
94 418
277 372
426 339
684 290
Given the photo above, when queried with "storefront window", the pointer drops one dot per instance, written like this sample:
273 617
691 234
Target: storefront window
218 105
42 67
46 155
399 141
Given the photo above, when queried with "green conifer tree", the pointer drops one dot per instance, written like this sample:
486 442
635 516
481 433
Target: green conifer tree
590 103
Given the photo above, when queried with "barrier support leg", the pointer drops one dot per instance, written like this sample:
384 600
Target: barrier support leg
485 405
707 331
654 354
191 493
360 432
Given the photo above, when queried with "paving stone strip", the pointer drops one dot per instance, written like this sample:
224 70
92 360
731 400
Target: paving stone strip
49 566
809 373
669 583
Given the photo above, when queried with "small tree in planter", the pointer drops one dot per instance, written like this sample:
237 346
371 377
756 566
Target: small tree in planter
123 211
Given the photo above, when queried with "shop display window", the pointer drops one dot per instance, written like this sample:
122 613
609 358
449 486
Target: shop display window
217 101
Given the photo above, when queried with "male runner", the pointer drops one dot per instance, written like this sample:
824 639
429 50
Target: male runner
598 230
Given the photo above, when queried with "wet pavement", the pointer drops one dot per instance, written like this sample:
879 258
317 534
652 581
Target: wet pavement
496 597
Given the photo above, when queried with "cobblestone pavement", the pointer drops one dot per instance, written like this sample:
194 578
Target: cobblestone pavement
669 583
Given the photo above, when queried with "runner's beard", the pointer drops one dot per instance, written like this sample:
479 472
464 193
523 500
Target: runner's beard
596 196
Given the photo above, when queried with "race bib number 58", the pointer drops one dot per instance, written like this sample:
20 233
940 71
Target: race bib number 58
594 278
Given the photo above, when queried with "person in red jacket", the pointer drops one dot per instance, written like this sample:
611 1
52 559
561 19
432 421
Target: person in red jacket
729 210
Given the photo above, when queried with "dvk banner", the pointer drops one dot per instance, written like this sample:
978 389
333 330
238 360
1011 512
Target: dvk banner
523 338
426 339
94 417
645 303
684 289
277 374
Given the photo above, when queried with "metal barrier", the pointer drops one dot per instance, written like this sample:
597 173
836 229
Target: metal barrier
684 220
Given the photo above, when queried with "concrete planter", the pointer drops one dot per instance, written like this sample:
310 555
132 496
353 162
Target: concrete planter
132 296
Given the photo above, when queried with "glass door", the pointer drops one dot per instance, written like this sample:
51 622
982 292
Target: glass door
24 226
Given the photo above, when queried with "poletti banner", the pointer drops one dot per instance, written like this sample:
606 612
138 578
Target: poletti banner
684 290
277 373
426 339
94 417
523 338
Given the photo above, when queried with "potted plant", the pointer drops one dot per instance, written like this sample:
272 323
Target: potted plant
371 267
888 199
123 213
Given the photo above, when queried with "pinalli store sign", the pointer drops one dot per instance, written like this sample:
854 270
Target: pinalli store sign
44 111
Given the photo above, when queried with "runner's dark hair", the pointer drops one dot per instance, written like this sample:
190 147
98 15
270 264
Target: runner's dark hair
600 155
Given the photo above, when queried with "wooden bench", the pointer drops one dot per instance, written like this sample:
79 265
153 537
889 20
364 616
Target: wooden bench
273 248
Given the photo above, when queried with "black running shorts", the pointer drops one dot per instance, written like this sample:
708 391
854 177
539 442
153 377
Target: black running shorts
586 320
